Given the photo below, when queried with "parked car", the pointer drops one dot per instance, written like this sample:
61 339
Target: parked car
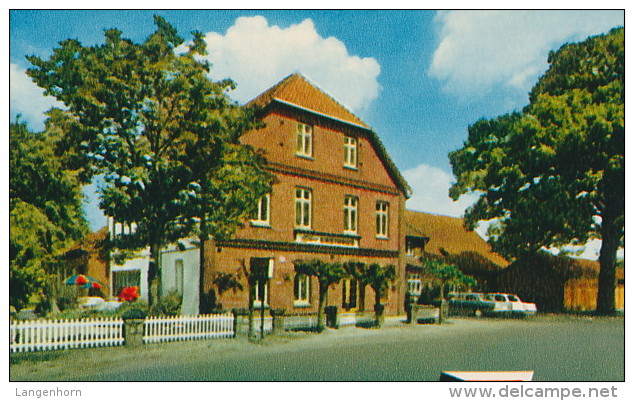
470 304
511 305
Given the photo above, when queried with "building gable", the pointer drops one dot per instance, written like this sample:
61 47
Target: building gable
296 93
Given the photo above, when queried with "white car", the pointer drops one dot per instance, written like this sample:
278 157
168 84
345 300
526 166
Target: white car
510 304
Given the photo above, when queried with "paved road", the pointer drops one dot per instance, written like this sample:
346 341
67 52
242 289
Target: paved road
556 348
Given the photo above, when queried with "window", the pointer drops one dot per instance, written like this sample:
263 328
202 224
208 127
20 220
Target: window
349 152
125 278
179 276
257 301
304 140
262 216
302 289
302 208
350 215
409 247
381 219
414 283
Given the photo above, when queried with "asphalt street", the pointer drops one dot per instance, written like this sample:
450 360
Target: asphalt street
556 348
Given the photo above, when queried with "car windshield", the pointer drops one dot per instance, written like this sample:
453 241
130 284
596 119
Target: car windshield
513 298
500 298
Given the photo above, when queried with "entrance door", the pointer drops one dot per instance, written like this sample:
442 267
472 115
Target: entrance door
350 292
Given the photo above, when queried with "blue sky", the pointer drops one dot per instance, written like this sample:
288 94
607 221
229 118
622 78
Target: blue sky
419 78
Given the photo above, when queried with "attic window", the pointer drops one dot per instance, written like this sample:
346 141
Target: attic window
304 140
349 152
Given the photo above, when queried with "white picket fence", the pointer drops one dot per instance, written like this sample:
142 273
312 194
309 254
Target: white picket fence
42 335
182 328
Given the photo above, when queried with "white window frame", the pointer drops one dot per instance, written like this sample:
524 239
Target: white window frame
257 303
350 152
261 219
350 214
304 138
301 287
303 208
414 283
382 219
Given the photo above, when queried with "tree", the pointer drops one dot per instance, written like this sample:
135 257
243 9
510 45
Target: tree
446 274
45 214
553 174
377 277
327 274
141 113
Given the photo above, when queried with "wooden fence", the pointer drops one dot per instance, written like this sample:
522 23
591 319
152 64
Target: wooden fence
182 328
42 335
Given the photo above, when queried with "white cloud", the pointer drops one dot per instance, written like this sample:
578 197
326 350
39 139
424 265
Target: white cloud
257 55
27 99
431 192
482 50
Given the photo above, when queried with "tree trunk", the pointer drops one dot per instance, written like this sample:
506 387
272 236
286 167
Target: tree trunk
251 299
323 289
154 275
610 237
378 307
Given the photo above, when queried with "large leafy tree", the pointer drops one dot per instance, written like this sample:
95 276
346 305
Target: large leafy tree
553 174
141 114
45 213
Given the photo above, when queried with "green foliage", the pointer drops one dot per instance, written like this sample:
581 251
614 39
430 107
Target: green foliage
446 275
164 135
167 305
134 313
327 274
554 174
45 213
227 281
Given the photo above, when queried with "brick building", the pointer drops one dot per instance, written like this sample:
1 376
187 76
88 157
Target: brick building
338 197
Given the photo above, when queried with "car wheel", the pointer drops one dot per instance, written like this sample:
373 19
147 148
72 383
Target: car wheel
477 313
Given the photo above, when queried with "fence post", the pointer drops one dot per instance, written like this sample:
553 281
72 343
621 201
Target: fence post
133 332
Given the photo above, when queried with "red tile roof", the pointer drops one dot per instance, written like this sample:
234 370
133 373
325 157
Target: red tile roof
297 90
449 235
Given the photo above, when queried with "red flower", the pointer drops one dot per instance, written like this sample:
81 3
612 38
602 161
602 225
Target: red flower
129 294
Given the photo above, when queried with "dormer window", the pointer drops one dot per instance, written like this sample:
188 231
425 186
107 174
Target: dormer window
304 140
349 152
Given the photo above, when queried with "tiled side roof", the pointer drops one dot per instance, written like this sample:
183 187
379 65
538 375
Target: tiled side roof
297 90
449 234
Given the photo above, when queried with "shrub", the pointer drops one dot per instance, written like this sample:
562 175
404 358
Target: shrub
168 305
134 313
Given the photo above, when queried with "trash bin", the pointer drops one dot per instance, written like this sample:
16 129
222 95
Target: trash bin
332 320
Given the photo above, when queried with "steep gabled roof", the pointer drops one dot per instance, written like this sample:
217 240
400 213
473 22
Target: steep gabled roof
297 92
448 234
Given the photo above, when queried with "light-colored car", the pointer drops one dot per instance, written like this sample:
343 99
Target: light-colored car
510 304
